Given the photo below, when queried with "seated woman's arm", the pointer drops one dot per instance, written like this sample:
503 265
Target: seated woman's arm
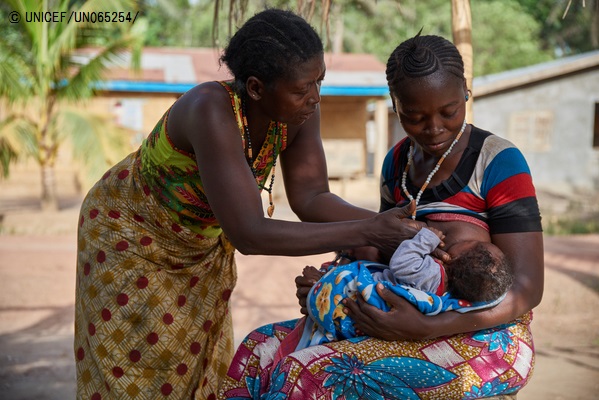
524 250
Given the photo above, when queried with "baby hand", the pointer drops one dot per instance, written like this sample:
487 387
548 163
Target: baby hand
311 273
439 234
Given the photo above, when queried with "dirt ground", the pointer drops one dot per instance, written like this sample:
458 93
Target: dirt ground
37 281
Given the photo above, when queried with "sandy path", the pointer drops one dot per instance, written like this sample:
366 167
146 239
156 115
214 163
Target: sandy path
36 314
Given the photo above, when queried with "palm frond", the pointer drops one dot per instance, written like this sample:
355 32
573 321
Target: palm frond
43 75
18 133
9 148
7 157
17 81
81 84
238 9
31 30
95 140
16 65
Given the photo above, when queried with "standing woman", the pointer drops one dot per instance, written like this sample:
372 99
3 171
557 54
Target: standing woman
448 168
157 233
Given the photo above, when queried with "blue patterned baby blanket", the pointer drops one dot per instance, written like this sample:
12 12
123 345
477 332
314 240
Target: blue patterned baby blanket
328 322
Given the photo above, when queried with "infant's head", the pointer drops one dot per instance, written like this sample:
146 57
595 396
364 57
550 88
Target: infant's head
478 271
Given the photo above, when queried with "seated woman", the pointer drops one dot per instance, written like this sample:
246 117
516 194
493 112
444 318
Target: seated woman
406 354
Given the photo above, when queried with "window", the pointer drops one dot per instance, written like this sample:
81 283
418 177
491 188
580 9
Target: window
531 130
128 113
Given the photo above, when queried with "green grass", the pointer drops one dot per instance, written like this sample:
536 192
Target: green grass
571 225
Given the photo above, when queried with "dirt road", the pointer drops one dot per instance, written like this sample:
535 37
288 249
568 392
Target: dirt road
37 278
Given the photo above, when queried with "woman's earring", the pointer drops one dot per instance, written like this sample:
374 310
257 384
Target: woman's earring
466 97
394 108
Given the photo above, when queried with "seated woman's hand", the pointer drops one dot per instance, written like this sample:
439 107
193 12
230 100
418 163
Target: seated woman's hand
403 321
303 283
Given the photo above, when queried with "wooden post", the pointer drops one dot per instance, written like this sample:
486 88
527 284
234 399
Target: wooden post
461 27
381 120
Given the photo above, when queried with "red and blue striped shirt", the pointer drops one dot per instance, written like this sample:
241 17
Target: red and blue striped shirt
492 183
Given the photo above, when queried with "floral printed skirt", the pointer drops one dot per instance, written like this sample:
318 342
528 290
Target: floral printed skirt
485 363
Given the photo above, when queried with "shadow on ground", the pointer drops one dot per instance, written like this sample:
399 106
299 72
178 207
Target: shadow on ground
37 362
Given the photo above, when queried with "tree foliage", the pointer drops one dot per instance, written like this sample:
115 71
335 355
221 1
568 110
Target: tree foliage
567 26
505 37
44 78
178 23
507 34
38 70
391 22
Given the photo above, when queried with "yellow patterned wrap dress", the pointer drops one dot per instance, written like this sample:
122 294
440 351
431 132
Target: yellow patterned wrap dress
155 274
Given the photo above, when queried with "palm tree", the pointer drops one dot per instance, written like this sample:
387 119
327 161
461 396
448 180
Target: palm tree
44 84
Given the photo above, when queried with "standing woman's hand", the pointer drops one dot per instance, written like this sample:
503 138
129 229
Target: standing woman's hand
393 227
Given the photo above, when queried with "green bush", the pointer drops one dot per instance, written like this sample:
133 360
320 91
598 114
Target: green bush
571 225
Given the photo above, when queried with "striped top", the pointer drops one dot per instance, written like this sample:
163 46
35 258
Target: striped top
492 183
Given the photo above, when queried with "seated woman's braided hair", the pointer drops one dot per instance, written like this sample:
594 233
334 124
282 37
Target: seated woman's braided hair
268 45
422 56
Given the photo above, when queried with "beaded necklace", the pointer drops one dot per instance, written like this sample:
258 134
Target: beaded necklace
430 176
250 157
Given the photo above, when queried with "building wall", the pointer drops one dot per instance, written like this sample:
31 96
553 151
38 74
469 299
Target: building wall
343 131
138 112
552 123
343 119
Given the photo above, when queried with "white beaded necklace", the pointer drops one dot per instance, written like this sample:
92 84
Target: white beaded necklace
404 176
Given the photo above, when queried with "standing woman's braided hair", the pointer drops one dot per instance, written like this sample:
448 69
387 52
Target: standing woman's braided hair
269 46
421 56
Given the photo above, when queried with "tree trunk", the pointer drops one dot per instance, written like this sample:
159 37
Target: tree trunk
337 45
49 195
595 26
461 27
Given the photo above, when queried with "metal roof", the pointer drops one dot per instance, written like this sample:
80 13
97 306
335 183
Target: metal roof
510 80
176 70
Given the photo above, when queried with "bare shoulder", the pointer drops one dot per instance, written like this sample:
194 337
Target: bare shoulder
199 109
205 98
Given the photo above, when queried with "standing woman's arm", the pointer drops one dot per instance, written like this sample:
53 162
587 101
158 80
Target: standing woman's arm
306 177
202 122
